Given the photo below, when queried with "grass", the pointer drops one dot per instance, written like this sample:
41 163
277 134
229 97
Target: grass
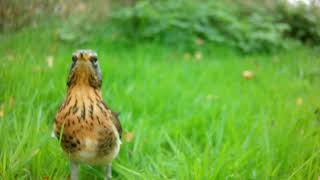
189 119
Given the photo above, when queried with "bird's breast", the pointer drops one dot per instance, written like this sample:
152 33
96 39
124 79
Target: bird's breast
86 130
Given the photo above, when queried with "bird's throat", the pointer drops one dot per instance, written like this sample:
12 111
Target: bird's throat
83 76
82 92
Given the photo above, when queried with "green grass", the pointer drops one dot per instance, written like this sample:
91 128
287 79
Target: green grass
190 119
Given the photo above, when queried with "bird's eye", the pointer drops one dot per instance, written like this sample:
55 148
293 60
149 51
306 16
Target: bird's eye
93 59
74 58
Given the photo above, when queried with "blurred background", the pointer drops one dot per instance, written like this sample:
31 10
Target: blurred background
247 25
219 89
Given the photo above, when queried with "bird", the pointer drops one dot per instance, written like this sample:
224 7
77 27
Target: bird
88 130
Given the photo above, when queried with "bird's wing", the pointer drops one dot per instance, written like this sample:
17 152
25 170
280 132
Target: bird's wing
115 119
116 122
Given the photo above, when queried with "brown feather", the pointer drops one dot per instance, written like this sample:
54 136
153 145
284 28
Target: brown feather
90 132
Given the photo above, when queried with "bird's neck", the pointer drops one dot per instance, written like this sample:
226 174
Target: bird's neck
83 75
84 93
79 77
81 100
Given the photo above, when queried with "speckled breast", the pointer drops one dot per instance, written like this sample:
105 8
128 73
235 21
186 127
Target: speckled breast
87 132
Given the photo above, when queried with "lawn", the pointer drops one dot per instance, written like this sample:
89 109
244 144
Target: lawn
188 118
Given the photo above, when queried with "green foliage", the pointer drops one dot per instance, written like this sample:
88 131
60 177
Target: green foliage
251 26
247 25
303 22
181 22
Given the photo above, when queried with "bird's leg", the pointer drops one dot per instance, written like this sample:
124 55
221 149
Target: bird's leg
109 171
74 170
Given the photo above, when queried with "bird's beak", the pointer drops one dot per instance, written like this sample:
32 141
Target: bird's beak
83 56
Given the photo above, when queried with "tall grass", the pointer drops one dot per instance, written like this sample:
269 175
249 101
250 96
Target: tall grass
191 118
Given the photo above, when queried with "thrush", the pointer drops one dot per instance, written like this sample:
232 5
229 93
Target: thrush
88 130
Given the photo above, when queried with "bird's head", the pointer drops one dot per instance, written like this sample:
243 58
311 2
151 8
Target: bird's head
85 70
